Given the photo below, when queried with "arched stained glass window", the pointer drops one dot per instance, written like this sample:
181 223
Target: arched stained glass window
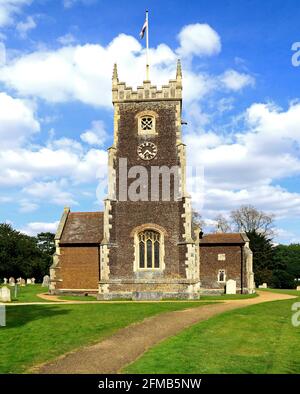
149 249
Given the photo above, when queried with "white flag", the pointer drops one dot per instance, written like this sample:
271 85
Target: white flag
145 26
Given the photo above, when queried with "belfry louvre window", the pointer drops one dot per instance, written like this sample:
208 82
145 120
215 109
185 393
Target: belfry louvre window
147 123
149 250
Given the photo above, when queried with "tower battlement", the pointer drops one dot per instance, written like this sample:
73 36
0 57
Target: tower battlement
147 92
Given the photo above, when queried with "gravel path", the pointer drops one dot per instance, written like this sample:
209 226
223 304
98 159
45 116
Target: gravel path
129 343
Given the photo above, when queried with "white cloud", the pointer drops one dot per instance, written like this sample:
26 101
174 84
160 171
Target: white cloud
2 54
22 166
35 228
235 81
27 206
71 3
5 199
66 144
80 72
24 27
17 121
9 8
92 166
67 39
96 135
198 40
247 167
53 192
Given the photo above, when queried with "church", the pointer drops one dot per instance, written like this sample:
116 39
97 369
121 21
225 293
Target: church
144 244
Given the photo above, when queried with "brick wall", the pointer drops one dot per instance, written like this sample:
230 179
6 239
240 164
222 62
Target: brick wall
210 265
79 267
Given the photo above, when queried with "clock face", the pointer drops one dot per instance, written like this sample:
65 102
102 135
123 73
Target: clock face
147 150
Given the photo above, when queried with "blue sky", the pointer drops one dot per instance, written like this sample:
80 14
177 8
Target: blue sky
241 101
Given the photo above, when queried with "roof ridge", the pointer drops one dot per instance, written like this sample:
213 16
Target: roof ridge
89 212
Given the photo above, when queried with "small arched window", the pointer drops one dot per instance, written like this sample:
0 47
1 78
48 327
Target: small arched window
149 249
222 276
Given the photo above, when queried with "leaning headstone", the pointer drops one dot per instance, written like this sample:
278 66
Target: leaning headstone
22 282
231 286
28 281
5 281
298 288
11 281
19 281
46 281
2 316
33 281
5 294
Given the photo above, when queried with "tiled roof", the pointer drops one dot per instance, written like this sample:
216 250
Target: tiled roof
83 228
224 238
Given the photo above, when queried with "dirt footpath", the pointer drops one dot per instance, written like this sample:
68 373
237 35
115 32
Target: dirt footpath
129 343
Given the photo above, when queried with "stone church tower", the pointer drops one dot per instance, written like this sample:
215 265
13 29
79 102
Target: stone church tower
143 246
148 248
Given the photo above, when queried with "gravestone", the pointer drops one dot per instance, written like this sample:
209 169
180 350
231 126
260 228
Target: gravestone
263 286
33 281
298 288
2 316
11 281
5 294
22 282
46 281
28 281
231 286
19 281
5 281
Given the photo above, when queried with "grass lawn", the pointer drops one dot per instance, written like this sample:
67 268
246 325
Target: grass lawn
256 339
203 298
27 293
37 333
228 297
283 291
78 298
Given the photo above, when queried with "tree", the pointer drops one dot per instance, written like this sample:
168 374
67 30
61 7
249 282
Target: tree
222 224
20 255
197 220
46 243
278 266
287 258
282 280
263 256
247 219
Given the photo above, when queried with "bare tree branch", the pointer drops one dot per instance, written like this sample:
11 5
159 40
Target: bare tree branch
247 218
222 224
197 220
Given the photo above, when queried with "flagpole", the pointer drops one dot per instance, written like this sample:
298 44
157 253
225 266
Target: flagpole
147 46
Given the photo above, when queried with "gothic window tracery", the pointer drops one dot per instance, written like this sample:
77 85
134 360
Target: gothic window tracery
149 249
